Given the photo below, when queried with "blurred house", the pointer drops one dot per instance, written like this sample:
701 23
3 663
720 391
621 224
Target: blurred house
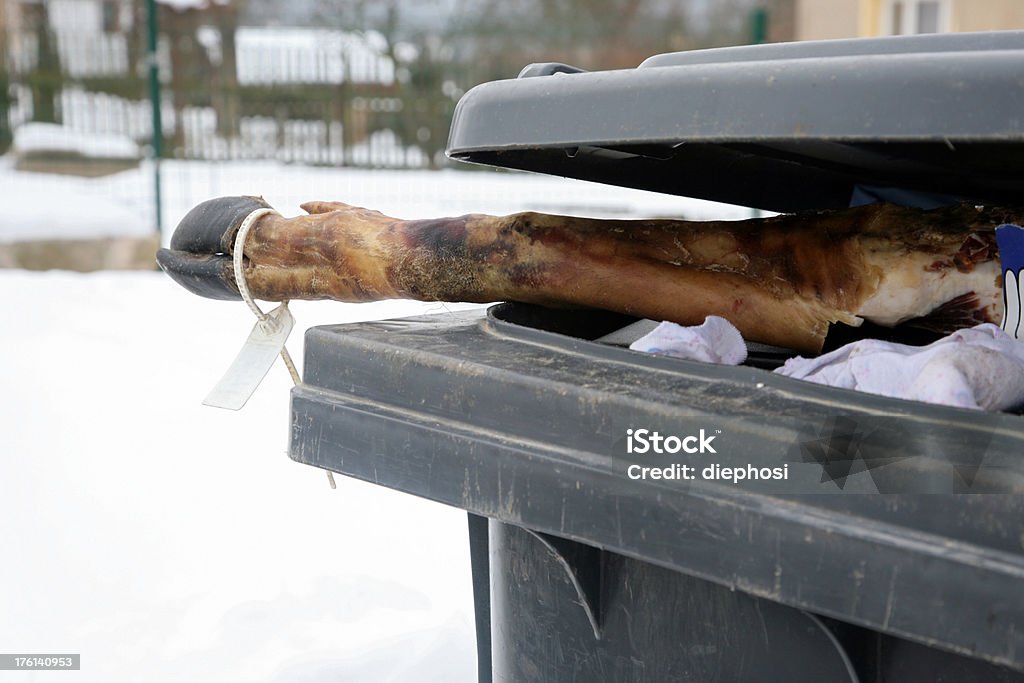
823 19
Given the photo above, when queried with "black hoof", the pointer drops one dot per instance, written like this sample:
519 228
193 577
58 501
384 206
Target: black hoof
200 255
209 276
210 227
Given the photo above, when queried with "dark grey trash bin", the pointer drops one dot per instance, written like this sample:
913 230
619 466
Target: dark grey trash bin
907 565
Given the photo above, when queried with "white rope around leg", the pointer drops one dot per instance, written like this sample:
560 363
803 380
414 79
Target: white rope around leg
238 260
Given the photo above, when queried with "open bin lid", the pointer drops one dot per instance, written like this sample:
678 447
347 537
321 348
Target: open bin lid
784 127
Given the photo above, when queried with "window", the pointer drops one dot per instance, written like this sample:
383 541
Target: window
902 17
928 17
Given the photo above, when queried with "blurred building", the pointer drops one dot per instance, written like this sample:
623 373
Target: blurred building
823 19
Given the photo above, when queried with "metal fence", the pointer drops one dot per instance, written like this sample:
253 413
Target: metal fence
305 95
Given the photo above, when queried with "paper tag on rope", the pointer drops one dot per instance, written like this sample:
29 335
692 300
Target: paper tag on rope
1011 256
253 362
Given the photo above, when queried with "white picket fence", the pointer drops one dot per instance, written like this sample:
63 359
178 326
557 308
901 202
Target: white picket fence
265 57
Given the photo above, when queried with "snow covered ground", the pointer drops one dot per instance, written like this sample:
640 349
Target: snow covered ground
50 137
36 205
164 540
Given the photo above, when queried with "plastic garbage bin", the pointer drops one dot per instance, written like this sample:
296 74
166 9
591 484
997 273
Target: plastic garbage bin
896 556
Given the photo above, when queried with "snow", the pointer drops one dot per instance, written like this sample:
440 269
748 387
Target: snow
164 540
45 206
51 137
421 194
35 206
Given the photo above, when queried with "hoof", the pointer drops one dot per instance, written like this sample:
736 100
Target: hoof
200 255
210 227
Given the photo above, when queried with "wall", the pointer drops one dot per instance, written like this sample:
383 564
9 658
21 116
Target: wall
823 19
988 15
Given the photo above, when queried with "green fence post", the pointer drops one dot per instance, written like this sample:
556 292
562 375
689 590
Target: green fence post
154 99
759 25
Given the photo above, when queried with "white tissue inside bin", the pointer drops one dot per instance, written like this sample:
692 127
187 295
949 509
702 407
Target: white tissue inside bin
980 367
716 341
